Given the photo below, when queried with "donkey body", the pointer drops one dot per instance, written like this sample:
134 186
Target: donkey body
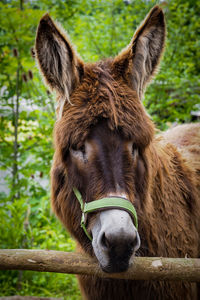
105 146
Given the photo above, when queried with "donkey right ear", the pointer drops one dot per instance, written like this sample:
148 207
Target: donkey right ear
138 62
57 60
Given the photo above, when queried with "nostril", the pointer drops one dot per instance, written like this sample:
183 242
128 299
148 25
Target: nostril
119 243
104 241
133 243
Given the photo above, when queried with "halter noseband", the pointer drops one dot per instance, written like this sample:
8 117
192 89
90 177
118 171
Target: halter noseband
108 202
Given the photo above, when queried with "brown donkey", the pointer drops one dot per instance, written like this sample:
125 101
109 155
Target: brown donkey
105 147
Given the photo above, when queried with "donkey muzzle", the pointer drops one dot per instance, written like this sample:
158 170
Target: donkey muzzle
114 233
115 240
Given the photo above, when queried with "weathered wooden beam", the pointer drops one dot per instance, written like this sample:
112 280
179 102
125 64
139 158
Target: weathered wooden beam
143 268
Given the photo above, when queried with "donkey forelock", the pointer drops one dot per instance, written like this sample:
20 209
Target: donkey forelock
100 96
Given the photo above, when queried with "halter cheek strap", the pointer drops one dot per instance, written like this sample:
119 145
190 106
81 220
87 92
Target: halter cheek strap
104 203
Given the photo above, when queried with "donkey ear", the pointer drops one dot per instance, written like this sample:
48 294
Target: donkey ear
57 60
138 62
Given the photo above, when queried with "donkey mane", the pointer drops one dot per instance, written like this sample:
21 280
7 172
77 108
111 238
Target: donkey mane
101 121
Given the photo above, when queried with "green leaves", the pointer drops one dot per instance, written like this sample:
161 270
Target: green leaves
25 214
176 89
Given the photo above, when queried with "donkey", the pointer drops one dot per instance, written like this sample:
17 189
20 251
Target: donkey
106 147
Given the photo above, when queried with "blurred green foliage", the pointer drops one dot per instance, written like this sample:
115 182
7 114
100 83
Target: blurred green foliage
27 113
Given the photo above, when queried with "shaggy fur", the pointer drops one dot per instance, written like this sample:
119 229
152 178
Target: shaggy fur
162 180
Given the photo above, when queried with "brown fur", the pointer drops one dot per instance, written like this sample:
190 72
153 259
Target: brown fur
162 180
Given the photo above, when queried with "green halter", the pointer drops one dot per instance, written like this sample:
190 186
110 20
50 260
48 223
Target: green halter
108 202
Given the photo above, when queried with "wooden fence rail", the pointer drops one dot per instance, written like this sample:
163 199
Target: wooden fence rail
143 268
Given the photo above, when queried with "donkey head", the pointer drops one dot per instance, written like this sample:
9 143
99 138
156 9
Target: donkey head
102 135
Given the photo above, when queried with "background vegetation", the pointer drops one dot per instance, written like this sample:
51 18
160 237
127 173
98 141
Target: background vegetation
27 112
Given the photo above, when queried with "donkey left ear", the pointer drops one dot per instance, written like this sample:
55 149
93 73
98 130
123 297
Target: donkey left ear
138 62
59 64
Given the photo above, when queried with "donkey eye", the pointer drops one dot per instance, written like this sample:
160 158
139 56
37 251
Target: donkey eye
80 149
79 153
134 152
